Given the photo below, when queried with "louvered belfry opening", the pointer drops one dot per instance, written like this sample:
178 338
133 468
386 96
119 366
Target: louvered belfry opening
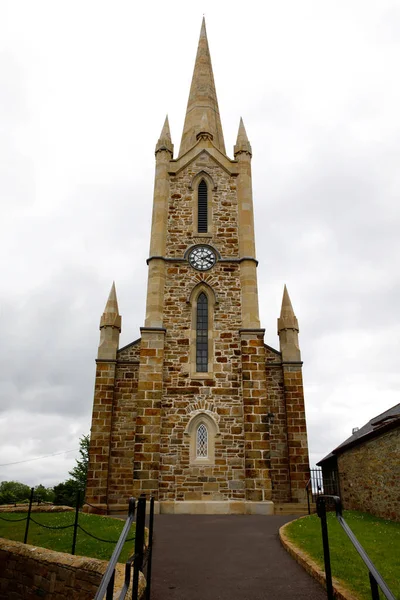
202 334
202 222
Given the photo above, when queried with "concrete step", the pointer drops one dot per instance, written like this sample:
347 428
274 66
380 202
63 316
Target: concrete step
292 508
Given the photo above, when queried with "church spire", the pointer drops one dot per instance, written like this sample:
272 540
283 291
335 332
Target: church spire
202 100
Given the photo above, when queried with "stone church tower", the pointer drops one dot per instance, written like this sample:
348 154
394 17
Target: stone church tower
199 411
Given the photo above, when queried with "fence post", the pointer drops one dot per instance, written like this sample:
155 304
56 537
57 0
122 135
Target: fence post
150 549
374 587
321 510
78 499
28 517
139 543
110 587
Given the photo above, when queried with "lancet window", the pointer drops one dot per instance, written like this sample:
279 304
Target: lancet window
202 334
202 441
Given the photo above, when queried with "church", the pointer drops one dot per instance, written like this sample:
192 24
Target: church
199 412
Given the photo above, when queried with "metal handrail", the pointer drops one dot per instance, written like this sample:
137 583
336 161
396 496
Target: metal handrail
375 577
366 559
109 573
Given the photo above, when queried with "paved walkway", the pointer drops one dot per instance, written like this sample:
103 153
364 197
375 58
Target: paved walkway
230 557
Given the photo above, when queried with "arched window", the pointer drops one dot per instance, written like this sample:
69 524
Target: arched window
202 441
202 433
202 206
202 334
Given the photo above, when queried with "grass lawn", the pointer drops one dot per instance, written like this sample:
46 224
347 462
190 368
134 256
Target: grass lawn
380 539
61 539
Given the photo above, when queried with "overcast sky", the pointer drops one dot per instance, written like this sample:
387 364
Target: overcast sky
84 89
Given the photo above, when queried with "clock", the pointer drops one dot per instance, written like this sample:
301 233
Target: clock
202 258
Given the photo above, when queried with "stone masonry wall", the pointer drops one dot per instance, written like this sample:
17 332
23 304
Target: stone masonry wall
184 391
157 391
120 479
370 476
28 572
296 431
256 424
148 408
100 436
278 427
224 215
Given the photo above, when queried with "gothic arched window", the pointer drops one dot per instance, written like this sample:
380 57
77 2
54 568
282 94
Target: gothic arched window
202 207
202 441
202 433
202 334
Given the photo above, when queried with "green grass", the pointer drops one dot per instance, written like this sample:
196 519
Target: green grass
380 539
61 539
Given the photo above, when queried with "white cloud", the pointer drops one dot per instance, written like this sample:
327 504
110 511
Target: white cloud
84 90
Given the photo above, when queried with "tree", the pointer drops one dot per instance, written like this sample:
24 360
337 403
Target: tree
13 491
65 493
79 472
43 494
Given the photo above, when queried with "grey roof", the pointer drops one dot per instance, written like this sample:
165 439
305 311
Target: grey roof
393 414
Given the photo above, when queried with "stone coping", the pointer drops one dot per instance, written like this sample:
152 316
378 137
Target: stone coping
312 568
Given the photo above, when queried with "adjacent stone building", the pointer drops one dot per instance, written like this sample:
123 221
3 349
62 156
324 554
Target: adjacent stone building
367 465
199 411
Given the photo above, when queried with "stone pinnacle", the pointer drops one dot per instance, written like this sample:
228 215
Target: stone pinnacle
164 142
242 141
287 319
111 316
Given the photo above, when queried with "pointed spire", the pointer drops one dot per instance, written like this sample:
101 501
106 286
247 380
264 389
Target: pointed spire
111 316
203 32
288 330
242 142
202 99
164 142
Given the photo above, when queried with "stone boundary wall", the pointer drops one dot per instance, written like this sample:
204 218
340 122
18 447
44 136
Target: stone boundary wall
28 572
369 476
13 508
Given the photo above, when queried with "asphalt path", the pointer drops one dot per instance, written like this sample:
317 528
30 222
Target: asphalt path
227 557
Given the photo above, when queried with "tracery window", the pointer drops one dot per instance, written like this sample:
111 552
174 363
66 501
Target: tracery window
202 202
202 431
202 441
202 334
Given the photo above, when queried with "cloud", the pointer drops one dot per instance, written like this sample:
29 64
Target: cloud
82 103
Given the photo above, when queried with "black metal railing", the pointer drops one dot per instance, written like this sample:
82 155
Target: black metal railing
375 578
107 582
75 525
321 484
140 560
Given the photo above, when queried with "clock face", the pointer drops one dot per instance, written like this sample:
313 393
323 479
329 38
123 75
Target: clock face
202 258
